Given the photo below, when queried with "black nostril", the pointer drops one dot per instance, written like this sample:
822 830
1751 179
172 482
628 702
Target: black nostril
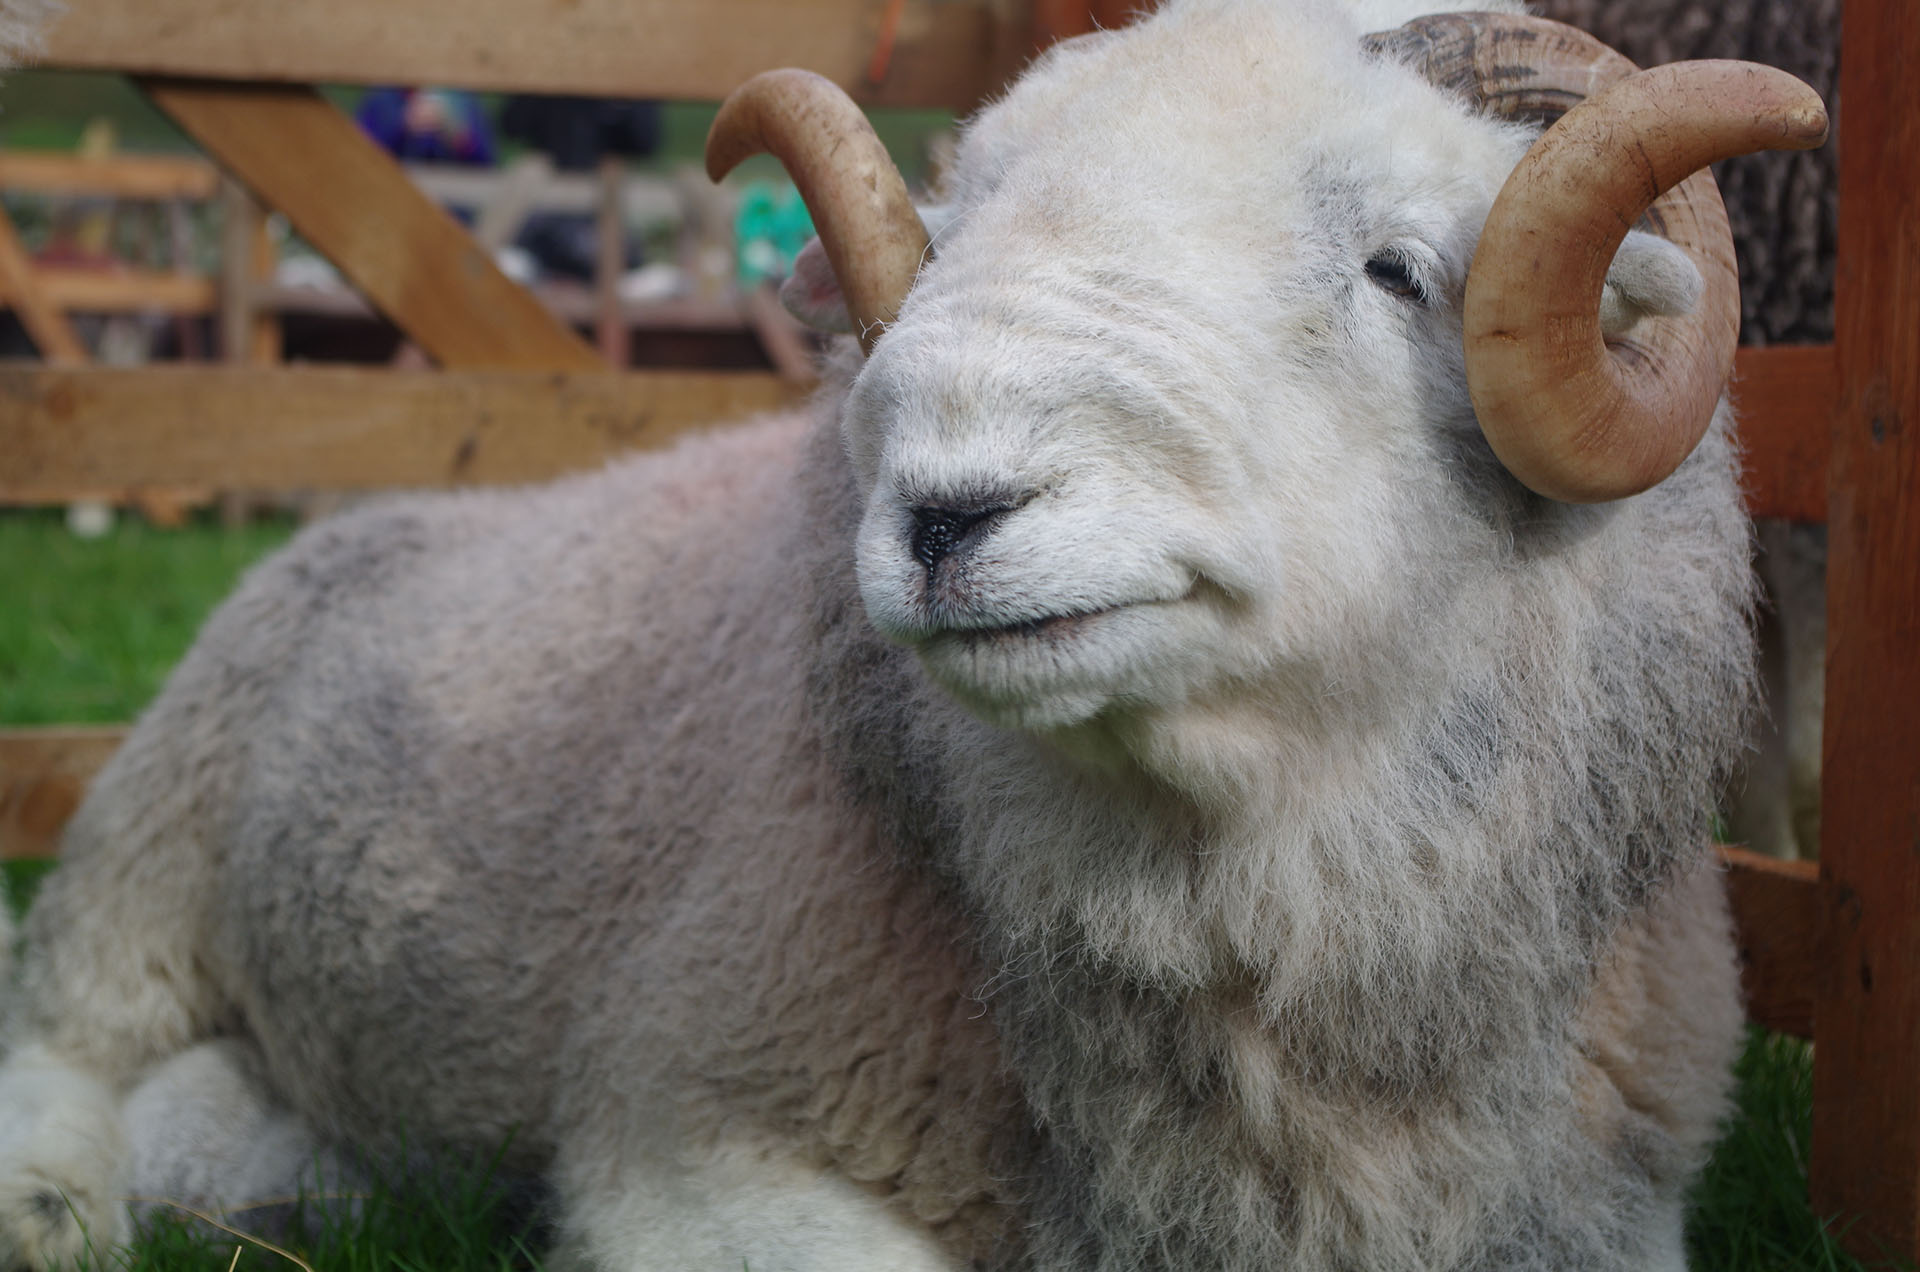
938 531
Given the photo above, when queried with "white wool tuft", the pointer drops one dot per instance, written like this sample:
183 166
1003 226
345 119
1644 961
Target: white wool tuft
23 27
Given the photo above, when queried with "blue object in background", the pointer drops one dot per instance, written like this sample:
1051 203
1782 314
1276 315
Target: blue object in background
432 124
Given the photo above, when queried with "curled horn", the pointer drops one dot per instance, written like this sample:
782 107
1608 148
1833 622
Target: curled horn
1571 416
867 224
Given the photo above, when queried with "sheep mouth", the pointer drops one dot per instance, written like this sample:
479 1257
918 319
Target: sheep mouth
1055 671
1054 628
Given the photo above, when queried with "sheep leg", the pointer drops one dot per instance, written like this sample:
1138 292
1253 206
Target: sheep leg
205 1132
738 1207
113 981
62 1155
200 1131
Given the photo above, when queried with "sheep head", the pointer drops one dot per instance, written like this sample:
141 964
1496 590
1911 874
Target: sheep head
1567 416
1201 303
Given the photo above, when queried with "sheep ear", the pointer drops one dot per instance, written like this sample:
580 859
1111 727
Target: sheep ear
1649 278
812 294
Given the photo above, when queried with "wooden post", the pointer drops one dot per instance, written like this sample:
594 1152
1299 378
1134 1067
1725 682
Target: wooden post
1866 1116
611 263
266 340
243 224
1060 20
1064 19
1784 395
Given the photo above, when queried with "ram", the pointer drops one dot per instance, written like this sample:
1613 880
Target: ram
1195 754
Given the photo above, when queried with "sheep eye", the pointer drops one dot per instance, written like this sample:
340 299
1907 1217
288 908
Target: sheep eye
1391 273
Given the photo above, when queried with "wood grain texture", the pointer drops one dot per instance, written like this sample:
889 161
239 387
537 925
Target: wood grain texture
348 197
1775 918
43 774
339 428
949 53
1866 1116
1784 397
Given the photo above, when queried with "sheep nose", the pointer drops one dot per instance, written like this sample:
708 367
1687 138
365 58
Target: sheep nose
937 531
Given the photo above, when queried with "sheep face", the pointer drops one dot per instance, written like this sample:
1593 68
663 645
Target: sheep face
1159 437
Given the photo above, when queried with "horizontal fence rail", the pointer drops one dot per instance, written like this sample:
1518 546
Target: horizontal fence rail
43 774
118 177
943 53
338 428
308 428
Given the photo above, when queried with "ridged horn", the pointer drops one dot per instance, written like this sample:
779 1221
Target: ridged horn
867 224
1512 66
1571 416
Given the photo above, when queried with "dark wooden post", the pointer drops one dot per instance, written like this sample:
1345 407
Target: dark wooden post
1063 19
1866 1121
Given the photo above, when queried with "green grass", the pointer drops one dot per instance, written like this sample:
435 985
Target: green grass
88 630
1751 1212
464 1225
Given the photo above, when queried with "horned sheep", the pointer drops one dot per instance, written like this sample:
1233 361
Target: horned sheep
1194 754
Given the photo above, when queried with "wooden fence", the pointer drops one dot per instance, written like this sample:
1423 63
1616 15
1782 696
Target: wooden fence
1832 433
245 289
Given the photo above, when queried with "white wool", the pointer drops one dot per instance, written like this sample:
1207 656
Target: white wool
23 26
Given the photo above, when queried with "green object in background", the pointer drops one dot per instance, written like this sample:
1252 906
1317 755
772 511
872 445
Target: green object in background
772 226
22 883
